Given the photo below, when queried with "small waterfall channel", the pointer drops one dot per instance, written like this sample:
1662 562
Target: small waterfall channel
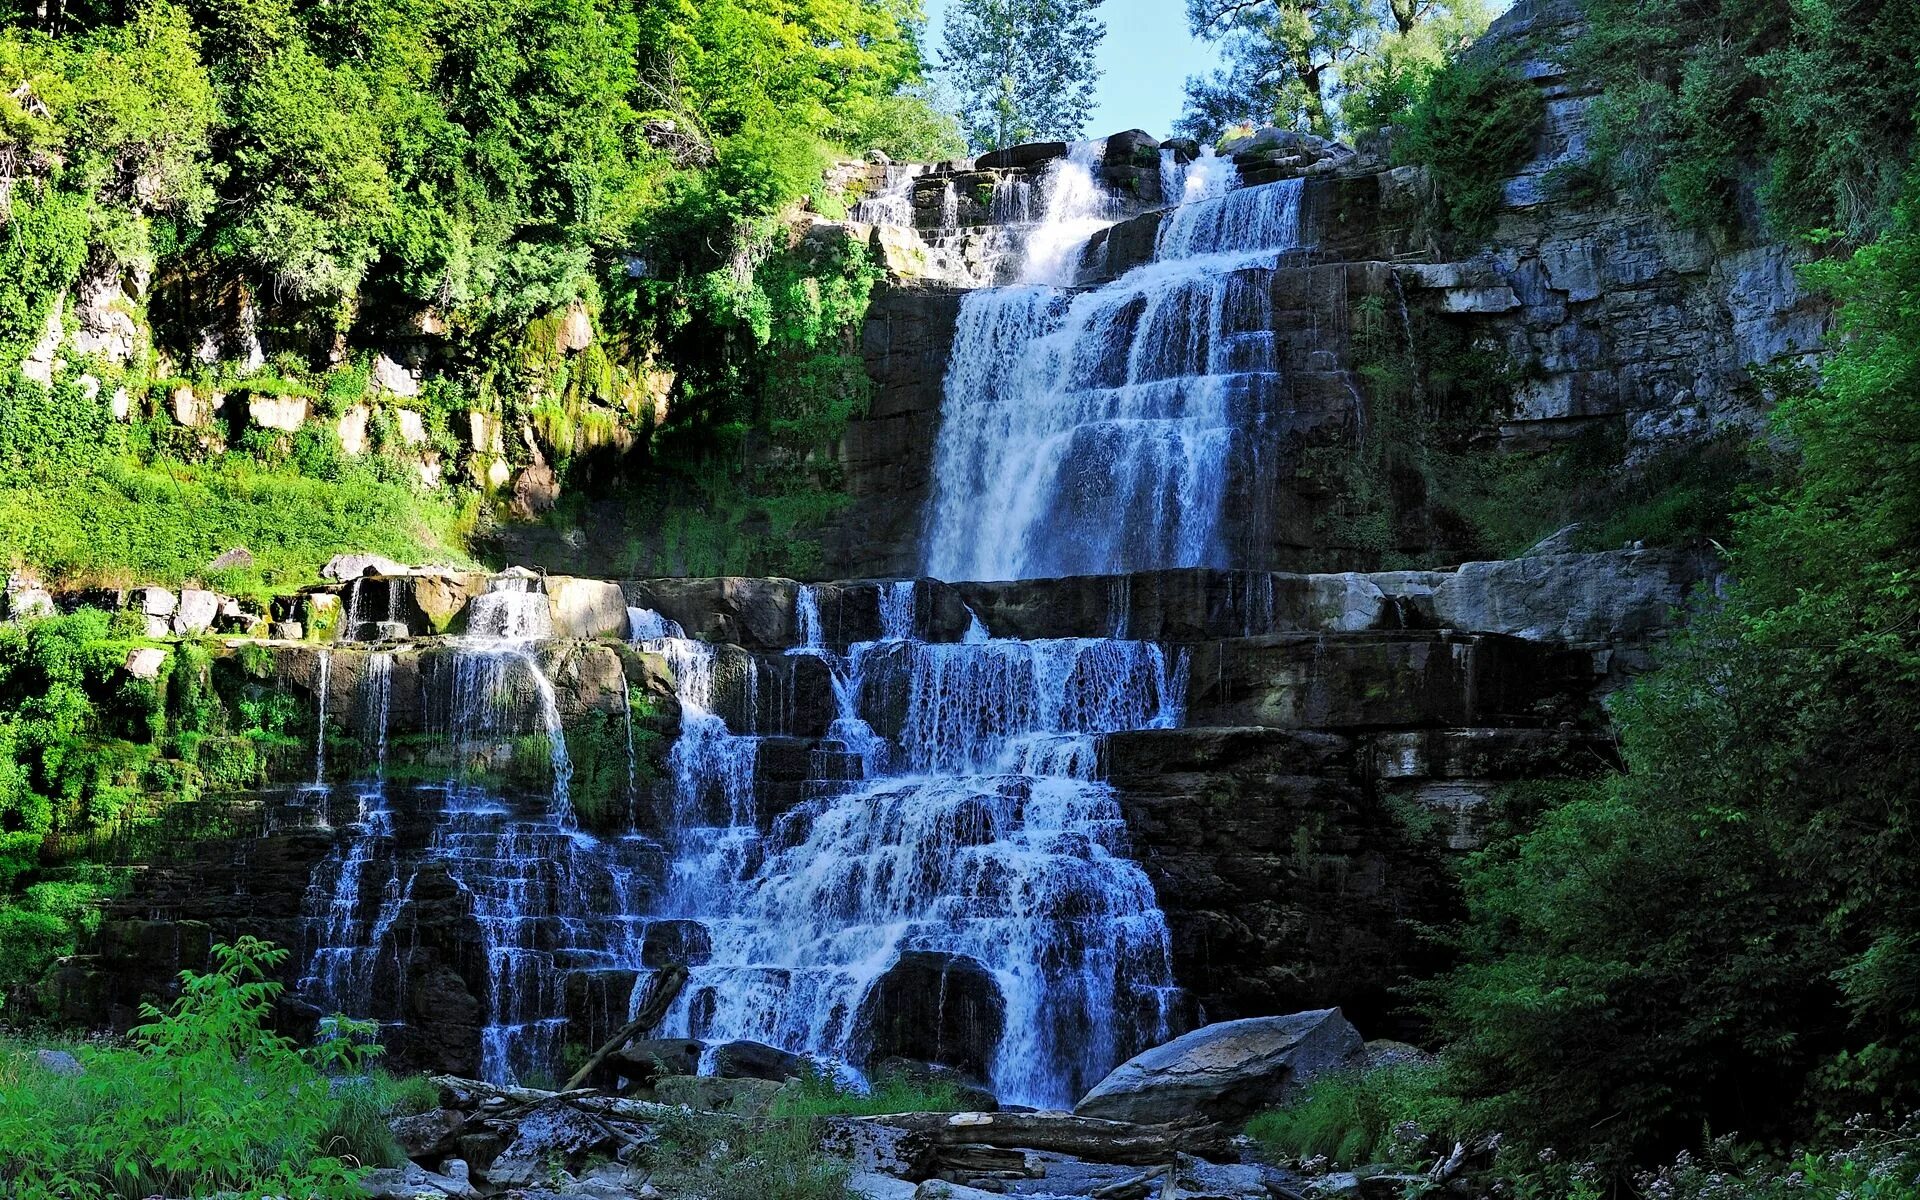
541 898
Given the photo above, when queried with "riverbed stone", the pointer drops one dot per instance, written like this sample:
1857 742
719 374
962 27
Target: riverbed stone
1227 1071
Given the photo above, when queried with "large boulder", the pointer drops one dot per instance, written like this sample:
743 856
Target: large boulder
1226 1072
756 1060
586 608
937 1008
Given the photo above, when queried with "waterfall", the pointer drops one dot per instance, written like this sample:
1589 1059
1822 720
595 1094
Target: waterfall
345 947
1102 431
892 204
323 678
975 827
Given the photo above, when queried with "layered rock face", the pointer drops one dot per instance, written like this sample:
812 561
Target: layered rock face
1605 318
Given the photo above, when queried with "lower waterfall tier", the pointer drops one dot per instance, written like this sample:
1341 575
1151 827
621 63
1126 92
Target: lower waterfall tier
1024 858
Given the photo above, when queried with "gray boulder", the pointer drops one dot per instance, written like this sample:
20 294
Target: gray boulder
550 1135
427 1135
353 566
756 1060
413 1182
1225 1072
197 611
58 1062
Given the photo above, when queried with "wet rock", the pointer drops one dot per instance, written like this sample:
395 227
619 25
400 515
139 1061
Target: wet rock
427 1135
1032 154
678 941
551 1134
654 1058
1227 1071
756 1060
935 1008
756 614
353 566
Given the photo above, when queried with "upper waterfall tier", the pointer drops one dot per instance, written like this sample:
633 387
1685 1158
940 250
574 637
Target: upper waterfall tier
1104 431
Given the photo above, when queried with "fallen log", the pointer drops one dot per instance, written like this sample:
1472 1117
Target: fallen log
1088 1138
661 991
587 1100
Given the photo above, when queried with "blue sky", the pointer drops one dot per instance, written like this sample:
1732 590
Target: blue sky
1147 57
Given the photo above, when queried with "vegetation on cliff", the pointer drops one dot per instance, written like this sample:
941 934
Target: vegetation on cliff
280 194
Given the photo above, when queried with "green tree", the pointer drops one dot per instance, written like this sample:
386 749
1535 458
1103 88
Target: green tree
1722 937
1326 67
1025 69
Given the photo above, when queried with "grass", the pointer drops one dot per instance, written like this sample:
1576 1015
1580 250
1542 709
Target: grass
816 1095
128 522
204 1100
718 1159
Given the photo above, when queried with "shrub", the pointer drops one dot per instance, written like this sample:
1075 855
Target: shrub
816 1094
1473 122
207 1100
1354 1117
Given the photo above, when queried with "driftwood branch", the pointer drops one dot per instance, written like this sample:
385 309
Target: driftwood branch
661 992
1081 1137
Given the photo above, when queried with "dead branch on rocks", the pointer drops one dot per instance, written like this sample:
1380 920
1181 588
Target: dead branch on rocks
661 992
1081 1137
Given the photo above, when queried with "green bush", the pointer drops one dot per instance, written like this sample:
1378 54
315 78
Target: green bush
816 1094
1354 1117
1473 122
699 1155
206 1101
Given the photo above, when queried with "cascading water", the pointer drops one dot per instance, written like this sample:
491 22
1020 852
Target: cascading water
1099 432
546 898
979 832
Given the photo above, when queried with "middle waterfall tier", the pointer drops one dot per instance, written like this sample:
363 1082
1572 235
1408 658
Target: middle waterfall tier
893 849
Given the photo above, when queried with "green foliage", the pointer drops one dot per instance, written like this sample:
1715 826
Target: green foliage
164 522
1358 1117
1024 69
816 1094
1471 123
1329 67
1808 103
207 1100
1770 777
777 1159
